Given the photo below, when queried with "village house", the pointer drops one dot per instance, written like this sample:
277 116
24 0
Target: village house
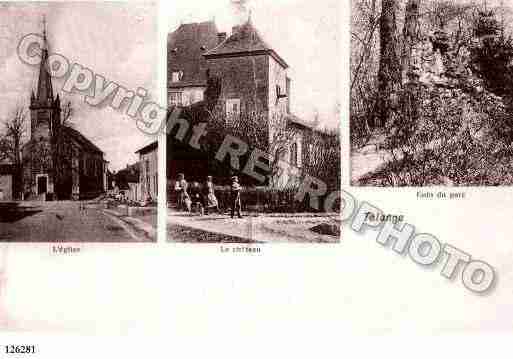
127 184
253 80
148 172
82 169
7 172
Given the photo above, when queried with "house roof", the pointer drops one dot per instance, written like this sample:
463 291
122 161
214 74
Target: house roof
7 169
130 174
295 120
148 148
185 47
244 40
85 143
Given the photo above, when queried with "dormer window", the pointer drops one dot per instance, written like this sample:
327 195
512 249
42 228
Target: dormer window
293 155
176 76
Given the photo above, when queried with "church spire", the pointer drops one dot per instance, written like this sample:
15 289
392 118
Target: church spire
44 33
44 94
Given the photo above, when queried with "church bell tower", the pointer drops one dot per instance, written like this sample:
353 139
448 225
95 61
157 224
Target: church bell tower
44 109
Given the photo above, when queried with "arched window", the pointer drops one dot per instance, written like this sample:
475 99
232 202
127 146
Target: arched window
280 154
293 154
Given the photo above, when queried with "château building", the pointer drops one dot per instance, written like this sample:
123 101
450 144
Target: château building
252 82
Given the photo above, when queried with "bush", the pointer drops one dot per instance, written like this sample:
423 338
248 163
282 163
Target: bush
259 199
448 135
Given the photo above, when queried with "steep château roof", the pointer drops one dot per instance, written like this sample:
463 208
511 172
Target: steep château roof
185 47
244 40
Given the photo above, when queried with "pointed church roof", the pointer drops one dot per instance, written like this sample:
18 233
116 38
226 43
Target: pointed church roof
244 40
44 86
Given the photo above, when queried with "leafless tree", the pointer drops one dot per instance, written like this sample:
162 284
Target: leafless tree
10 145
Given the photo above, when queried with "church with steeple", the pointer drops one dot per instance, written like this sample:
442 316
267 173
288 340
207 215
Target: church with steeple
58 161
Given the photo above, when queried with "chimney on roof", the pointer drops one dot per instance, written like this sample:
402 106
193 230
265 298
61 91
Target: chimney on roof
221 36
240 9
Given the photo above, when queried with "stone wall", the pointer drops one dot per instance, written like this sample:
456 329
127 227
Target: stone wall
245 78
6 187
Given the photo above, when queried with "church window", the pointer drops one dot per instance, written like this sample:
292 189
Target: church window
311 153
293 154
280 154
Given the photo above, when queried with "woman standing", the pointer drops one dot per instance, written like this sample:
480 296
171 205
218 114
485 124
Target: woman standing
182 195
211 198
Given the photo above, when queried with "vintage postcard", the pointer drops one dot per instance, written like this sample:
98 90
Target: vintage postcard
253 143
73 156
235 116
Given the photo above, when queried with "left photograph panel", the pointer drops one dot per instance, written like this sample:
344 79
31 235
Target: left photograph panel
77 118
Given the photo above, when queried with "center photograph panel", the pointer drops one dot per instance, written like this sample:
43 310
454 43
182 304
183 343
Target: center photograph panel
253 138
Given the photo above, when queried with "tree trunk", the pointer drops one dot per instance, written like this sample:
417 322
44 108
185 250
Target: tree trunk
389 74
17 164
411 63
410 38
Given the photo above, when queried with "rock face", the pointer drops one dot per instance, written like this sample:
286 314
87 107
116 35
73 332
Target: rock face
429 60
435 63
446 71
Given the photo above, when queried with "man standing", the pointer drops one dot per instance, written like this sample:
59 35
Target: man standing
235 196
184 201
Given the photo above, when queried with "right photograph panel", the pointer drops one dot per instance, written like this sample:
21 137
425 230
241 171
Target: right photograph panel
253 145
431 93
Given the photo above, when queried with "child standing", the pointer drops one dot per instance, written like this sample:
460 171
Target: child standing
235 197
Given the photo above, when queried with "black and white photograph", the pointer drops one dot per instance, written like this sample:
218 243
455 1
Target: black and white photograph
253 92
73 160
431 86
256 179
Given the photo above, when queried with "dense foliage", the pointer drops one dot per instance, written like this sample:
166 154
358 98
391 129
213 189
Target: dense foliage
451 121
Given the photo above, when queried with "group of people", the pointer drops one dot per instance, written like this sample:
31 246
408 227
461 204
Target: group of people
204 199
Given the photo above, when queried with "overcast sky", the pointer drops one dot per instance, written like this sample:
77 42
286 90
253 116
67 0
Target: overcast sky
304 32
119 41
116 40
